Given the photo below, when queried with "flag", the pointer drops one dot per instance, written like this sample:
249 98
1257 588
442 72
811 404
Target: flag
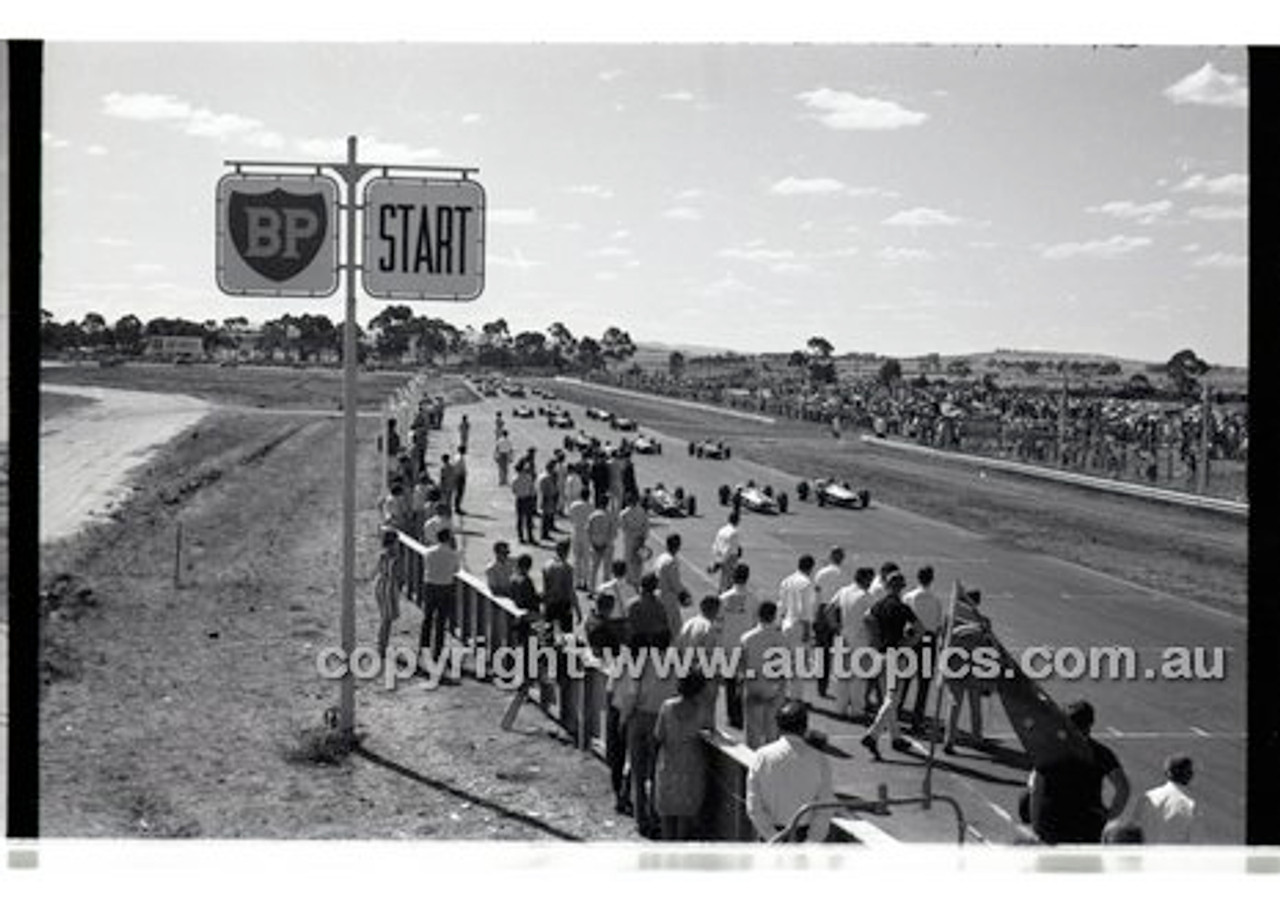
1044 730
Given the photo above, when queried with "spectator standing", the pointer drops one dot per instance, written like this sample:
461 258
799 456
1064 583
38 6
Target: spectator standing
680 771
547 500
854 601
448 479
798 600
502 453
441 564
464 432
639 698
459 480
704 634
579 512
1166 813
928 611
560 599
738 607
499 571
895 626
726 551
786 775
671 589
602 531
634 523
525 490
829 580
1066 799
386 588
763 688
645 615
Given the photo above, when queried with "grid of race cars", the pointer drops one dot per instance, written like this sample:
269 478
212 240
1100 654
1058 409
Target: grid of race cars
765 498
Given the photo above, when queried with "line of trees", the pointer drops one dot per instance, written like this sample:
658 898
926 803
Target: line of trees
396 334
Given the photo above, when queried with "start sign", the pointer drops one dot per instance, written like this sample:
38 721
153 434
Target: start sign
423 238
277 235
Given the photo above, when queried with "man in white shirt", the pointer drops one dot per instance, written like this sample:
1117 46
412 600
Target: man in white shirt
785 776
634 524
762 690
671 591
726 551
738 614
928 609
441 564
602 531
853 601
798 603
704 632
1166 813
829 580
579 512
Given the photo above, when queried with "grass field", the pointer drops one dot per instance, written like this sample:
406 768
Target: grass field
247 386
191 710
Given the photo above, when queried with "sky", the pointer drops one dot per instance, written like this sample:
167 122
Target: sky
898 199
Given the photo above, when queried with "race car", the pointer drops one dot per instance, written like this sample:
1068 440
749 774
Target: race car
674 503
522 410
599 414
750 496
624 424
646 445
562 420
830 492
709 449
579 442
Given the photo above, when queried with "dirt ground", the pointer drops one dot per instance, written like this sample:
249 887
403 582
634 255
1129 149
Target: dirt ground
1199 555
189 710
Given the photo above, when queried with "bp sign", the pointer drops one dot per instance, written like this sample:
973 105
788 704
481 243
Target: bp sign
423 238
277 235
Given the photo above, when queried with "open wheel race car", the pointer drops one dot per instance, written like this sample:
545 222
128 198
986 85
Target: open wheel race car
562 420
580 442
522 410
623 424
830 492
710 449
752 497
646 445
599 414
662 502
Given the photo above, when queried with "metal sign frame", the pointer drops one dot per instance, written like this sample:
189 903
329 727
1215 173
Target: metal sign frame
349 174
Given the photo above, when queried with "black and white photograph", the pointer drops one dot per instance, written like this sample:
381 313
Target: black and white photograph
793 446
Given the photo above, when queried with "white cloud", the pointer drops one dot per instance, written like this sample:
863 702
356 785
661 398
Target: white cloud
147 268
112 242
516 260
680 95
608 76
847 111
512 216
591 191
96 149
728 285
791 267
922 217
751 253
190 119
1191 247
688 214
472 117
1219 213
371 149
1144 214
606 275
145 106
1210 86
56 142
1222 260
894 255
620 234
1232 183
793 186
689 194
1096 248
610 251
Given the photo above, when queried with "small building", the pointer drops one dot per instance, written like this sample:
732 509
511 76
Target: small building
172 346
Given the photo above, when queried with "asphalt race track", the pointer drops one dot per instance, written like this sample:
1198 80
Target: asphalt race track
1034 600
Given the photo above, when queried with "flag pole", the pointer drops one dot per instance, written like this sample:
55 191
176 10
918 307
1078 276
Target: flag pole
939 645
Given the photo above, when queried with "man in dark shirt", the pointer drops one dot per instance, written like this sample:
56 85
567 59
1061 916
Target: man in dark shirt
894 625
647 616
1066 799
525 596
558 593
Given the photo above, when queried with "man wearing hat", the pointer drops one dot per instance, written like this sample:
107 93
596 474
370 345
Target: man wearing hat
895 625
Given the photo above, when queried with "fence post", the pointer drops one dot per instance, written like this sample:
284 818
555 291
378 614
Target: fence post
1202 470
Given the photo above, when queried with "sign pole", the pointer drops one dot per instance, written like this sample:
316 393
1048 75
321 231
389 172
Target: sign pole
347 699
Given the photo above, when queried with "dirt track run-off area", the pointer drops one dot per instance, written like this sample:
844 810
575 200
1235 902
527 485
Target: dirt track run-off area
186 711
